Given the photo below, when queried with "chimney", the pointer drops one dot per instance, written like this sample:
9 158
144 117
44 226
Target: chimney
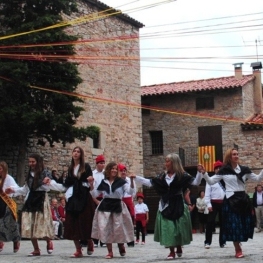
257 66
238 70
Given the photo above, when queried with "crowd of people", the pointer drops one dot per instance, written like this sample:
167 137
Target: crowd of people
98 206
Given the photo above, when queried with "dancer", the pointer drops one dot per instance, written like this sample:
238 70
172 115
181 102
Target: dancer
141 218
80 206
173 224
201 209
9 230
214 196
36 222
98 175
238 221
112 221
127 199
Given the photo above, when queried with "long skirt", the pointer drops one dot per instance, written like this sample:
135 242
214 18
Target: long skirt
173 233
236 227
78 226
38 224
113 227
9 229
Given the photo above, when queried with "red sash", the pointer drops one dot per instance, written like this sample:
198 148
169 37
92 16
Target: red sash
129 203
142 218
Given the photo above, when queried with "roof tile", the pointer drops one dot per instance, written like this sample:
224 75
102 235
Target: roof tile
196 85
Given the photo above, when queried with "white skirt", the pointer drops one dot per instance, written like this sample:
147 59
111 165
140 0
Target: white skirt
111 227
38 224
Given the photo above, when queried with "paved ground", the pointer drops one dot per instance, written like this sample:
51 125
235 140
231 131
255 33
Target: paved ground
151 252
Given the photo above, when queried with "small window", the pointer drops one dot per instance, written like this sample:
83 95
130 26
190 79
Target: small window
96 143
157 142
205 103
145 109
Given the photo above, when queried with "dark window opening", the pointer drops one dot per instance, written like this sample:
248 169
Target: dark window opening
146 111
157 142
205 103
96 143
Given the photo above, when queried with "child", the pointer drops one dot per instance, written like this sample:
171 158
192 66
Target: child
141 218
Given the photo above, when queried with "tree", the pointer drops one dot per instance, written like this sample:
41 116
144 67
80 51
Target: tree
25 63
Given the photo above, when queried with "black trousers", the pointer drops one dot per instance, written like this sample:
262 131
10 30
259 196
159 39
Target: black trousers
210 225
140 228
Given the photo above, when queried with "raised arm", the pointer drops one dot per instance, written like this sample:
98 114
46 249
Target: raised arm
255 177
142 180
197 179
212 180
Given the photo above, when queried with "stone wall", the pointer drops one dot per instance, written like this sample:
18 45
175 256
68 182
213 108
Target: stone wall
182 131
111 82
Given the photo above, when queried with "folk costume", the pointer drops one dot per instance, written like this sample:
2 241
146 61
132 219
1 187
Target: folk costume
238 221
80 206
36 219
9 230
141 211
112 222
173 224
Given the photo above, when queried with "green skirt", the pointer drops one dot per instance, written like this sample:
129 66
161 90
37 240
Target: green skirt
173 233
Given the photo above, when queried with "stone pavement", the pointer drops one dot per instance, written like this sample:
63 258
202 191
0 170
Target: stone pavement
150 252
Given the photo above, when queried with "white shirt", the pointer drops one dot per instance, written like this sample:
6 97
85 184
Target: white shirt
118 193
259 198
10 182
232 182
213 192
128 180
168 179
200 204
141 208
98 177
24 190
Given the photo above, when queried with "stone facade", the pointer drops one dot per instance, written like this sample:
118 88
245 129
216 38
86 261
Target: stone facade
111 84
181 130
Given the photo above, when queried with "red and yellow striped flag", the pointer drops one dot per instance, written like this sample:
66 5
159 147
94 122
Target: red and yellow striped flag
206 157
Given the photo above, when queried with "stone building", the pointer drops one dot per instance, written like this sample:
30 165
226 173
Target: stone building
111 85
224 112
182 116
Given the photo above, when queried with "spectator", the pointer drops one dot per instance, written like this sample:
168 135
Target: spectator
55 175
258 205
63 177
141 218
56 217
201 206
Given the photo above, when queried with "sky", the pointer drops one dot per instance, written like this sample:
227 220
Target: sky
187 40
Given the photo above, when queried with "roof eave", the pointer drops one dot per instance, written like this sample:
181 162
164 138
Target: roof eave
122 16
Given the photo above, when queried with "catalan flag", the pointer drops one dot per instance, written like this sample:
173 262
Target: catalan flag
206 156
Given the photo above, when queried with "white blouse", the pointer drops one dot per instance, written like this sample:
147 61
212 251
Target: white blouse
118 193
9 182
232 183
168 179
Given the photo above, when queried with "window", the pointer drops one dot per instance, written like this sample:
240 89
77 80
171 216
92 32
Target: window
205 103
157 142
